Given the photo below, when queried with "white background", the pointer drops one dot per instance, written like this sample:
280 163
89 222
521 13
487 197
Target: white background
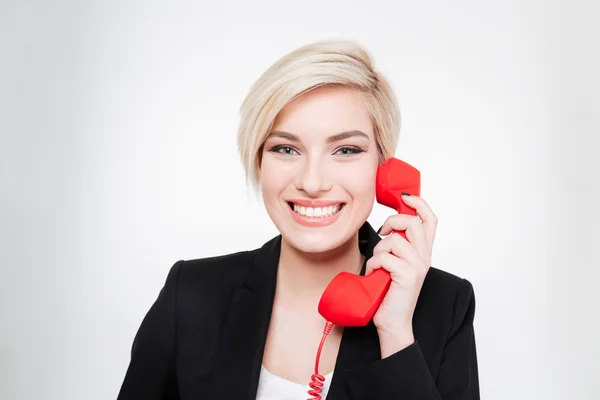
117 158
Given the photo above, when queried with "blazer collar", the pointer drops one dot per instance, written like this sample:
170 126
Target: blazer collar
247 322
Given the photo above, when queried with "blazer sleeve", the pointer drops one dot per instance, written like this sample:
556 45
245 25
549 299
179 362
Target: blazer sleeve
151 371
405 374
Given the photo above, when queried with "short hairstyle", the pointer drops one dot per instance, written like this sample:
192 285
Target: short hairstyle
334 62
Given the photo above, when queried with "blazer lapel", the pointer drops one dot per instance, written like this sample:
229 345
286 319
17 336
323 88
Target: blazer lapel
246 325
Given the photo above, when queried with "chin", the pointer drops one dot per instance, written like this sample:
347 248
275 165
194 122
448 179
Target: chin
315 242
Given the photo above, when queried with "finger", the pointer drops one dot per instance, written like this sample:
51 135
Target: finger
400 247
400 222
414 231
424 211
401 272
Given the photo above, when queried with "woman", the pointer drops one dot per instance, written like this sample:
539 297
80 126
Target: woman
314 129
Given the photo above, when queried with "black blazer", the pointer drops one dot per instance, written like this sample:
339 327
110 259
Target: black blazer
204 336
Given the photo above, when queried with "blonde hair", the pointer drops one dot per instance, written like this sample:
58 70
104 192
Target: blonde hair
335 62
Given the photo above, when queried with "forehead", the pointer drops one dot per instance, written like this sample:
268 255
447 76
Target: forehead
325 111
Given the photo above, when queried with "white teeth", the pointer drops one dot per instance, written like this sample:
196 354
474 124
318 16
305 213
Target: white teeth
317 212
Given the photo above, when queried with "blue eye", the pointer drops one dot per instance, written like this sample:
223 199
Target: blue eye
283 150
346 151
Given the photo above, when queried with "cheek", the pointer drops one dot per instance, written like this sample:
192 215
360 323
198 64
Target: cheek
363 192
361 183
272 180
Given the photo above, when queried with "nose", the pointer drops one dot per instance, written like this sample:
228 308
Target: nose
312 178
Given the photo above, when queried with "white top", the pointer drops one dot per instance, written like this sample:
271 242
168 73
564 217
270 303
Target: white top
273 387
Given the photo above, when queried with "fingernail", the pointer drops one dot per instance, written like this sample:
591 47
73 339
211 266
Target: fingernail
406 194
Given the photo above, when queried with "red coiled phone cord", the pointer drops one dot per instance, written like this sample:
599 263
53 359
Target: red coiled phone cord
316 378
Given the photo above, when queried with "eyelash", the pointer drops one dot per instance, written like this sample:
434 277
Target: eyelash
352 149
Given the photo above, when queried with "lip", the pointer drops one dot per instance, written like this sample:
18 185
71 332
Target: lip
315 203
315 221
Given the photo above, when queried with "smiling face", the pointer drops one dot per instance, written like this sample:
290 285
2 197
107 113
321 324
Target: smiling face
318 169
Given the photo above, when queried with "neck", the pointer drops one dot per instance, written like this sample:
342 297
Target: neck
307 275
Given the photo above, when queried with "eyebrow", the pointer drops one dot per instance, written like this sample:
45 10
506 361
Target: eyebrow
331 139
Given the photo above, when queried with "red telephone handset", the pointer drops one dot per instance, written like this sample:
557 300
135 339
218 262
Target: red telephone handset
350 299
